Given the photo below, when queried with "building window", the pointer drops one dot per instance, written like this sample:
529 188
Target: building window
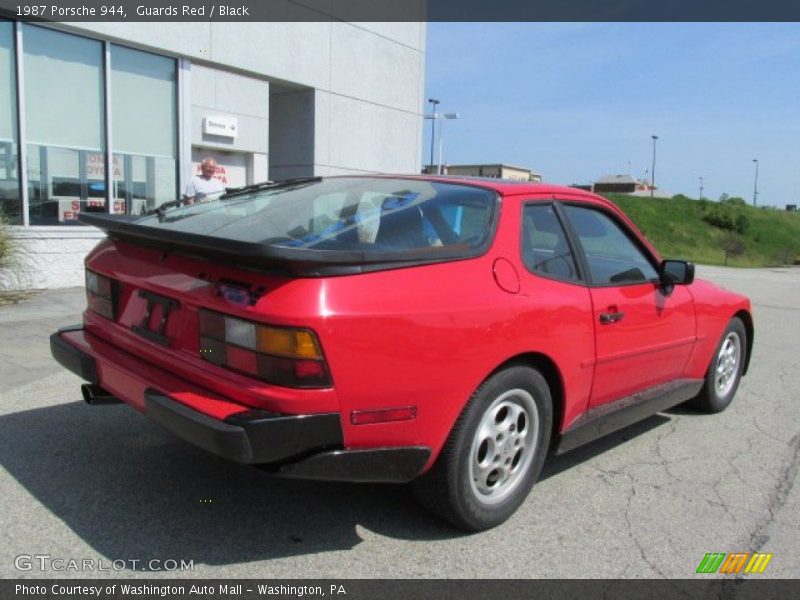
64 124
10 199
143 130
66 96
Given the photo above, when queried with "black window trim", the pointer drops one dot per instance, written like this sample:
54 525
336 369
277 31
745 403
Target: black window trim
582 272
574 238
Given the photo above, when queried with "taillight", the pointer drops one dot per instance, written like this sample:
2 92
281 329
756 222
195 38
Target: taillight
101 294
284 356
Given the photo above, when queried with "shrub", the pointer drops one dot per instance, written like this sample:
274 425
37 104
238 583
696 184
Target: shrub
12 285
735 201
741 223
6 245
728 217
719 219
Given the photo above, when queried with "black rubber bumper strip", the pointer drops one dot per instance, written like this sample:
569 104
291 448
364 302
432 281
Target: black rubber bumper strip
71 358
251 437
373 465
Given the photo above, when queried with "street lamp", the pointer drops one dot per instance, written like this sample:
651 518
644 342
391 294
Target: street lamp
653 171
433 102
701 188
755 183
453 115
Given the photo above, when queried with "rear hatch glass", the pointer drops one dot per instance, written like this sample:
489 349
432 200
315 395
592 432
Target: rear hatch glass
311 224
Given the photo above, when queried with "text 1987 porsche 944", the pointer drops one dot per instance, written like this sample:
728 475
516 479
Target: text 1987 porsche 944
448 331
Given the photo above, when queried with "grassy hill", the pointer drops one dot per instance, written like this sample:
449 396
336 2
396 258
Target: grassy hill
695 230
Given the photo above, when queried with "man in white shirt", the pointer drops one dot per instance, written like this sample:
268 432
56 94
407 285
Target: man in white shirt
203 187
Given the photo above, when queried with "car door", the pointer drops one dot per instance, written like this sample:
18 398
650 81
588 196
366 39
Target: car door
643 336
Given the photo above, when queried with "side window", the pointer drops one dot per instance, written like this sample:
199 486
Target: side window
612 256
455 221
544 244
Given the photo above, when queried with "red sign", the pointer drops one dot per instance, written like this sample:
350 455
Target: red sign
220 173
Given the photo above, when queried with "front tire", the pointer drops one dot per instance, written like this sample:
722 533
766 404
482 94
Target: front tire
494 453
725 371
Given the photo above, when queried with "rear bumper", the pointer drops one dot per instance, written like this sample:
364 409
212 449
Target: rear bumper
72 358
250 437
302 446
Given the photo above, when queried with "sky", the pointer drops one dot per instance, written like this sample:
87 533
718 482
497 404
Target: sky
576 101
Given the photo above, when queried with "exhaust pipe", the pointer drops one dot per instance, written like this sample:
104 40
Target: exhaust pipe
95 395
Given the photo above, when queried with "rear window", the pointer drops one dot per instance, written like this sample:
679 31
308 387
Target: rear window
368 215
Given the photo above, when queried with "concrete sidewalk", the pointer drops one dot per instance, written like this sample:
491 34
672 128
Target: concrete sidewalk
25 330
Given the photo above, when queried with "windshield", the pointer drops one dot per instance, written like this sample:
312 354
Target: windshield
348 213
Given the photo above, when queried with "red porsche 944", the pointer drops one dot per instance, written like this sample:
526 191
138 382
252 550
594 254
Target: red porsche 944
442 331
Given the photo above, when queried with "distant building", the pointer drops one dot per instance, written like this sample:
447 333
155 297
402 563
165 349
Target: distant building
618 184
500 171
626 184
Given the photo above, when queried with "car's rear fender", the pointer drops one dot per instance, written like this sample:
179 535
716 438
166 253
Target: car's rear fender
555 381
389 350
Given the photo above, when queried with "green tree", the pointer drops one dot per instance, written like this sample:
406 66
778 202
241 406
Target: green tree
732 245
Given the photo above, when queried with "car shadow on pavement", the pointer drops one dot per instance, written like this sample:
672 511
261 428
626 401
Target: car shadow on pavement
689 411
134 491
556 464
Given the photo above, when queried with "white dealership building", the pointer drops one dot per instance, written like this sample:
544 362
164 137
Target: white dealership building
115 117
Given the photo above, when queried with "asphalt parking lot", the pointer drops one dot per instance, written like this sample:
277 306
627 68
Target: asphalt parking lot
104 484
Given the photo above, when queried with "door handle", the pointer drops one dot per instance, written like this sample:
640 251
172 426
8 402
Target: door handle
607 318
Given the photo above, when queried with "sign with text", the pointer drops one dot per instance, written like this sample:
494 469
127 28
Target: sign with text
221 126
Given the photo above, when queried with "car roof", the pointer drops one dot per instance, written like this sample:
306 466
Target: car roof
504 187
511 188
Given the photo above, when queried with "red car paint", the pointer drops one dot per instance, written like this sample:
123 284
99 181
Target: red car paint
422 337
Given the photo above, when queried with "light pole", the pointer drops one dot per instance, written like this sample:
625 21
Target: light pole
433 102
453 115
755 183
653 170
701 188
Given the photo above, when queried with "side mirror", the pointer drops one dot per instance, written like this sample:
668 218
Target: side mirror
677 272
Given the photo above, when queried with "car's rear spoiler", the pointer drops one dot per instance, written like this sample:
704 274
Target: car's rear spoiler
297 262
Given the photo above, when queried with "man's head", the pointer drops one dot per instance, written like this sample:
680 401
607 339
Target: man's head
208 167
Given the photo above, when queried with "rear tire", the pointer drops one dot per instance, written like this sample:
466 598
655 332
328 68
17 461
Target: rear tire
494 453
725 371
